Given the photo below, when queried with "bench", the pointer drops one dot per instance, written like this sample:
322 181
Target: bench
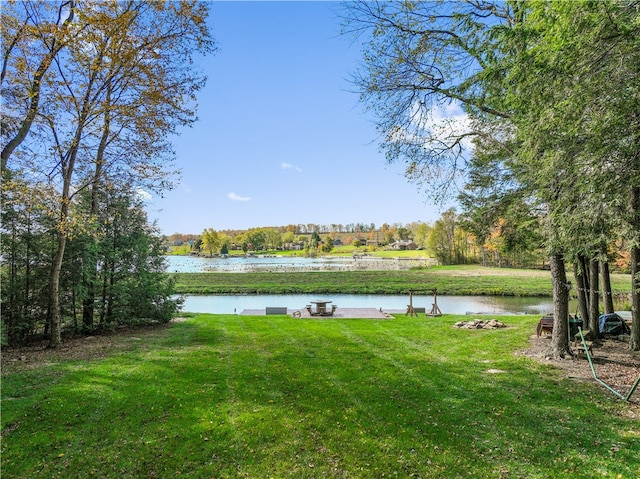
581 349
579 346
276 310
326 312
545 325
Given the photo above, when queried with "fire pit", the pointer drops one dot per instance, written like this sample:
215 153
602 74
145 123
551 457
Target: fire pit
480 324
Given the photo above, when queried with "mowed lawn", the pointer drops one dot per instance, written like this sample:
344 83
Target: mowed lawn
225 396
448 280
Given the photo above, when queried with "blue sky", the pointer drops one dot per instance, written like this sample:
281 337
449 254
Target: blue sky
281 137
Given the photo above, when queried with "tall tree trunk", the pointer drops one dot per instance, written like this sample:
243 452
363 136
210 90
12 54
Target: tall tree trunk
9 315
91 268
560 335
634 342
67 162
27 271
55 320
594 304
607 294
583 305
88 282
584 267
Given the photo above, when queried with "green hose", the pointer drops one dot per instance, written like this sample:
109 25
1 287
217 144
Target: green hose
595 376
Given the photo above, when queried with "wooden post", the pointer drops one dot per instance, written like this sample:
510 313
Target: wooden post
410 310
435 310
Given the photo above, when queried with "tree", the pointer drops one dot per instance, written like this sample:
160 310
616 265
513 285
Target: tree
536 88
421 234
121 86
288 238
423 64
134 286
560 346
273 238
25 245
576 93
327 244
47 28
497 209
225 242
607 295
210 241
456 60
257 239
404 233
442 238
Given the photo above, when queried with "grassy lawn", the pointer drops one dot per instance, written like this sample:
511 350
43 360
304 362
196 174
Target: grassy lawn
230 396
449 280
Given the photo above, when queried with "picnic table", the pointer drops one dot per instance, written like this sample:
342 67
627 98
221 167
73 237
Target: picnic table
321 308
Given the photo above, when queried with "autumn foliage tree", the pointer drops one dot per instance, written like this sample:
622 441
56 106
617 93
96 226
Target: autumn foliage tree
119 82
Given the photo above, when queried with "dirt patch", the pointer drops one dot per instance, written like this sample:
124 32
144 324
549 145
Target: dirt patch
82 348
613 362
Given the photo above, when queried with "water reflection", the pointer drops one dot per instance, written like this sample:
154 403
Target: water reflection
241 264
224 304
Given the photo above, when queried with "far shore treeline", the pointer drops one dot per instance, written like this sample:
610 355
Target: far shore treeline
448 240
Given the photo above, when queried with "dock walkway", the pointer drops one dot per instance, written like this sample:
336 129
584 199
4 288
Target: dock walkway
362 313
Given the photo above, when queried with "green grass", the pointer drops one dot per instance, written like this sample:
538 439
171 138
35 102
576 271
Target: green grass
457 280
256 397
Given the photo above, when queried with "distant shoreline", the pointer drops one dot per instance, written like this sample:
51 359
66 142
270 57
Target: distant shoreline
293 264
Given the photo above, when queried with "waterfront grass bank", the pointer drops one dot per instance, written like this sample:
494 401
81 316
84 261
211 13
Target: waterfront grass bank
450 280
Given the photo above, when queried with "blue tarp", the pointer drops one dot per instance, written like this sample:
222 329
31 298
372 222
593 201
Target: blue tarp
612 324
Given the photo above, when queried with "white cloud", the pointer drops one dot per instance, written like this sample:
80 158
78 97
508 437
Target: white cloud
234 197
289 166
439 125
144 195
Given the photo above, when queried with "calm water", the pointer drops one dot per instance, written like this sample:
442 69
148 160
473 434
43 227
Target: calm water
224 304
219 304
215 304
194 264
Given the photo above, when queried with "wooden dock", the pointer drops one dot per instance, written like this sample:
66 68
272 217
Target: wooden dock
341 313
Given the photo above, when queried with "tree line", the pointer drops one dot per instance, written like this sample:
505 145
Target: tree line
451 240
530 110
91 93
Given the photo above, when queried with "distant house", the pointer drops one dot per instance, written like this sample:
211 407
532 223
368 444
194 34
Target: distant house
337 242
403 245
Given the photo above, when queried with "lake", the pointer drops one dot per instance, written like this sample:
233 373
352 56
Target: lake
242 264
230 304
